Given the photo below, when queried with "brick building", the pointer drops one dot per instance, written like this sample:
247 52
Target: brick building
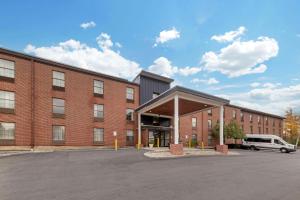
45 103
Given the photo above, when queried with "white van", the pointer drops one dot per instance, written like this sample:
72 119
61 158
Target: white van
259 141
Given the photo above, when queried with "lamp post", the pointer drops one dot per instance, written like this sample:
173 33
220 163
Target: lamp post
116 140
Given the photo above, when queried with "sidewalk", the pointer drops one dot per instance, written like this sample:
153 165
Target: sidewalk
188 152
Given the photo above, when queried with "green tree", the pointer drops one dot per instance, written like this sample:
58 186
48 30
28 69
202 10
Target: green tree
234 131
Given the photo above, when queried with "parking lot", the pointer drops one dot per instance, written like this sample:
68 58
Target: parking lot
127 174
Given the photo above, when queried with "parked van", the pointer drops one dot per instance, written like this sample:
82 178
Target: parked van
259 141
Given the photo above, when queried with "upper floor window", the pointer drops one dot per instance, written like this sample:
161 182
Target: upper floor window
155 94
98 87
194 122
129 114
209 122
7 101
242 116
58 79
234 114
251 118
130 93
209 112
58 106
7 131
258 119
98 135
58 133
7 69
266 119
98 111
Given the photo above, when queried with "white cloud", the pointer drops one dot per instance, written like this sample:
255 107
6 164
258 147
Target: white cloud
164 67
275 99
255 84
186 71
103 60
118 45
87 25
210 81
167 35
229 36
241 58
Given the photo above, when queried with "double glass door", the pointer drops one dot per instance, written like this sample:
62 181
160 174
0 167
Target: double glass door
159 137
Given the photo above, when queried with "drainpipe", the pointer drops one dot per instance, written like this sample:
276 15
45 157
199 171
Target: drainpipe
32 104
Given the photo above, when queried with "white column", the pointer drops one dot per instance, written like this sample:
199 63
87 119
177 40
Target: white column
139 131
176 120
221 125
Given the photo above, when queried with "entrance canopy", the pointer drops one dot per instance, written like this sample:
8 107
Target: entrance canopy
179 101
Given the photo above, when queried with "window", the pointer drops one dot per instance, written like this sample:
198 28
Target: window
98 135
98 87
250 117
251 129
242 116
155 94
259 130
7 131
58 133
273 122
209 123
266 119
7 69
209 112
129 138
98 111
7 100
194 122
278 142
234 114
129 93
267 131
129 114
58 79
58 106
279 123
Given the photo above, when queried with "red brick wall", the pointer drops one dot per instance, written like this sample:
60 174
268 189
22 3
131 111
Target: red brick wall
79 105
22 89
202 126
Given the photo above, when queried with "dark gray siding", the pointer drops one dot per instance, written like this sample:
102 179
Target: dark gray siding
148 86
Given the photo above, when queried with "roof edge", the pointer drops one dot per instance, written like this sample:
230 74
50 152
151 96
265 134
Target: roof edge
153 76
63 65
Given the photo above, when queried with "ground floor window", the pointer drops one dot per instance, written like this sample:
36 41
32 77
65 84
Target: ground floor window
7 131
194 140
129 138
58 134
209 139
98 135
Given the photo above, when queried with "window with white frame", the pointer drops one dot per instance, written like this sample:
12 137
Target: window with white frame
209 112
98 87
98 111
209 124
234 114
129 93
7 99
242 116
129 114
7 68
58 106
7 131
194 122
129 138
58 79
58 133
258 119
251 118
98 135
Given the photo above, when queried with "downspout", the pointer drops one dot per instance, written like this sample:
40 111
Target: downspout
32 104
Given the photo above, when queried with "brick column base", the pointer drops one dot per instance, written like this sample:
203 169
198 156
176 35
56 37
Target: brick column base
176 149
222 148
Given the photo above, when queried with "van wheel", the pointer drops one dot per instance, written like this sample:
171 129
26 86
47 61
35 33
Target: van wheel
284 150
252 148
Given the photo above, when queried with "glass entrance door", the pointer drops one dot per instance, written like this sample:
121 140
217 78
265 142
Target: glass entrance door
163 136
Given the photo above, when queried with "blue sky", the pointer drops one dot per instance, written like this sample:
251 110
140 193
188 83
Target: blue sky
246 51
